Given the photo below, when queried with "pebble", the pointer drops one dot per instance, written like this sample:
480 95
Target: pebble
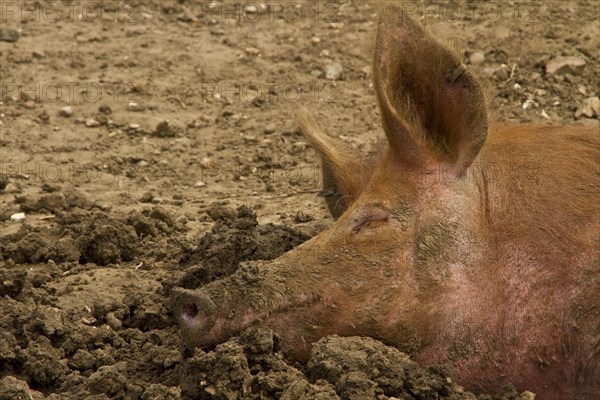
17 217
590 108
501 72
38 54
165 129
9 35
142 163
91 123
137 107
315 40
270 128
104 109
563 65
11 188
334 71
252 51
317 73
199 184
299 147
477 57
88 320
324 53
66 112
251 9
205 163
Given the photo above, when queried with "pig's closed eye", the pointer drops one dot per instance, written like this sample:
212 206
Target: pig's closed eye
371 221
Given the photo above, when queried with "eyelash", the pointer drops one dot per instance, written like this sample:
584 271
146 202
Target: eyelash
369 221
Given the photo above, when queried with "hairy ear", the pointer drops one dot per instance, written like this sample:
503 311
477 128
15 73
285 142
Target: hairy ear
340 165
433 109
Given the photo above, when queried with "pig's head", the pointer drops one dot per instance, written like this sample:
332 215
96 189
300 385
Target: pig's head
405 217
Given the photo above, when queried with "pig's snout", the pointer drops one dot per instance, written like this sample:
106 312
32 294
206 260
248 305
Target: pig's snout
193 309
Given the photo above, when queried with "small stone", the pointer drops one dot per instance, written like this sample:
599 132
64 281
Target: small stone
582 89
136 107
91 123
563 65
11 188
298 147
199 184
88 320
324 53
9 35
252 51
477 57
17 217
134 126
501 73
270 128
206 163
66 112
590 108
165 129
147 197
142 163
38 54
317 73
315 40
44 116
334 71
104 109
251 9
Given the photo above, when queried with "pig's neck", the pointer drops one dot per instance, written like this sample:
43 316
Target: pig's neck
497 314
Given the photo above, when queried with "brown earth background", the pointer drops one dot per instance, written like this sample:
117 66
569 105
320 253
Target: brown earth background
154 144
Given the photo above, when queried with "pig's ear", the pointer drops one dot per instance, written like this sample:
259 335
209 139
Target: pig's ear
433 109
340 165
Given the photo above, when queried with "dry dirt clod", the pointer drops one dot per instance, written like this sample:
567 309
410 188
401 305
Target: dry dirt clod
563 65
590 108
9 35
91 123
477 57
270 128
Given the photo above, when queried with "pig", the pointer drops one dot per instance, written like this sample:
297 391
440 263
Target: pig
459 242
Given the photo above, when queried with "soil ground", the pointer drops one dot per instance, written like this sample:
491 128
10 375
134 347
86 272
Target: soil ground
134 135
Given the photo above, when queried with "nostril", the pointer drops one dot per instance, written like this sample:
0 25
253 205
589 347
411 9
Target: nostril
189 312
193 308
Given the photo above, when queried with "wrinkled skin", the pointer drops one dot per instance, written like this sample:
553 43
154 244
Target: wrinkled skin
484 257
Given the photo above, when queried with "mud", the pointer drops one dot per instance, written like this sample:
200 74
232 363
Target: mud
124 201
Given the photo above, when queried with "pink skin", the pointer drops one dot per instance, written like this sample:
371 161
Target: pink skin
483 257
